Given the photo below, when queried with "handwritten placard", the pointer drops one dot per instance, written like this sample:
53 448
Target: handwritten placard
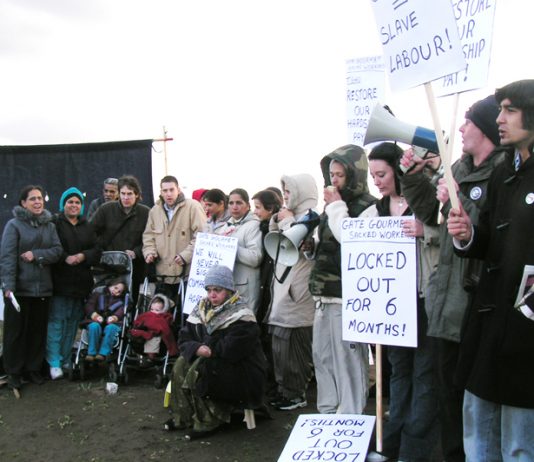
365 87
475 25
210 250
379 282
420 40
335 437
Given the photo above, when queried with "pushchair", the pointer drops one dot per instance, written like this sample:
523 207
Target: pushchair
133 357
113 265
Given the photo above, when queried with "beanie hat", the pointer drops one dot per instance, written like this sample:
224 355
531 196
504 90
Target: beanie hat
67 195
220 276
484 115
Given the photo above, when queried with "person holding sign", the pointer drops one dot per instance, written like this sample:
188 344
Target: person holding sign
411 432
221 364
293 308
497 348
341 368
451 285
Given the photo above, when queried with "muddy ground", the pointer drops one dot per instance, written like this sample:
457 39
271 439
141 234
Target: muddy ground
79 421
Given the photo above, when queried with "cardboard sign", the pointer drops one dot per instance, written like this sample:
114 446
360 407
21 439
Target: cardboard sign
210 250
379 282
334 437
365 87
475 25
420 40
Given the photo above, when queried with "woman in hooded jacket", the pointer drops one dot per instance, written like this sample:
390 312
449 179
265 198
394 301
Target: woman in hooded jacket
341 368
293 307
30 245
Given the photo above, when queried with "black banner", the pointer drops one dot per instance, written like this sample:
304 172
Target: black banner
58 167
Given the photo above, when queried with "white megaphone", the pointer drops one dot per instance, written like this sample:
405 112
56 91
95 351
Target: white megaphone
383 126
284 247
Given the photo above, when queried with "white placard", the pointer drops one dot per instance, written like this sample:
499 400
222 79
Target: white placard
210 250
365 88
379 282
334 437
420 40
475 25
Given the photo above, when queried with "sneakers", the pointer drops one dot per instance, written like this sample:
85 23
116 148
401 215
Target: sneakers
56 373
90 358
100 358
286 404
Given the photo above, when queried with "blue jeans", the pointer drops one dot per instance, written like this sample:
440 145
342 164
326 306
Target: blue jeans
63 319
495 432
412 431
101 343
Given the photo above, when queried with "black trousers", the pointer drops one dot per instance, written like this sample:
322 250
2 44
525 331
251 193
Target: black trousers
451 399
25 334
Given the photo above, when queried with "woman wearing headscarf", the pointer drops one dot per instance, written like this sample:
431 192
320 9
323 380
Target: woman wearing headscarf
72 279
30 245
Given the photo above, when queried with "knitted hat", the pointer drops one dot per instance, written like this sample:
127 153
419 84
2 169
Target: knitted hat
220 276
67 195
484 115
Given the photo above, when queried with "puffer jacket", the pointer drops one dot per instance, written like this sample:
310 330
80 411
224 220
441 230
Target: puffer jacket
325 278
29 232
292 305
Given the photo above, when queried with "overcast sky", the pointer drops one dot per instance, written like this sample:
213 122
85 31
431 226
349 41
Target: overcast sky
249 90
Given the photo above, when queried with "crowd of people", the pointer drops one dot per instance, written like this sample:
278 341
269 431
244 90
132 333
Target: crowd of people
265 329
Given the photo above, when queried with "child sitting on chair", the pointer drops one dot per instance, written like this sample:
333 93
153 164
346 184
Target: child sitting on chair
104 311
154 326
221 364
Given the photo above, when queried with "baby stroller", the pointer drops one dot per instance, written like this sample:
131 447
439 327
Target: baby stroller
133 357
113 265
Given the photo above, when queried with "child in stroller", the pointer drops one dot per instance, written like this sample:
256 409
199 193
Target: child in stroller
153 326
104 311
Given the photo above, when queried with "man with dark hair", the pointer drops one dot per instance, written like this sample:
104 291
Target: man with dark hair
169 236
497 347
110 192
451 284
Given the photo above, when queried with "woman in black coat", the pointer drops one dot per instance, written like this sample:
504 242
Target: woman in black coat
72 279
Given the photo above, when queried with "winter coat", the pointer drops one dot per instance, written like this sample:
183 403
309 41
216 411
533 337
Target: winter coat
248 258
266 277
167 239
104 304
23 233
497 345
75 280
235 372
216 226
449 286
110 216
325 278
149 324
292 304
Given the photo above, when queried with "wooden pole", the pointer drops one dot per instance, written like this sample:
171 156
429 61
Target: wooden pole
441 145
165 169
379 402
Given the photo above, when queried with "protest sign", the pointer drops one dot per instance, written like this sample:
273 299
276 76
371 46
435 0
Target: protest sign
339 437
475 26
210 250
420 40
365 87
379 282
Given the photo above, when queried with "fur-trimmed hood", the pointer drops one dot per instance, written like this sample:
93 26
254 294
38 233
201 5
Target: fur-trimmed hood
34 220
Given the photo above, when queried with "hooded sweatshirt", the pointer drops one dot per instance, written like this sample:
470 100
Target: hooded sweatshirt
325 278
293 305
